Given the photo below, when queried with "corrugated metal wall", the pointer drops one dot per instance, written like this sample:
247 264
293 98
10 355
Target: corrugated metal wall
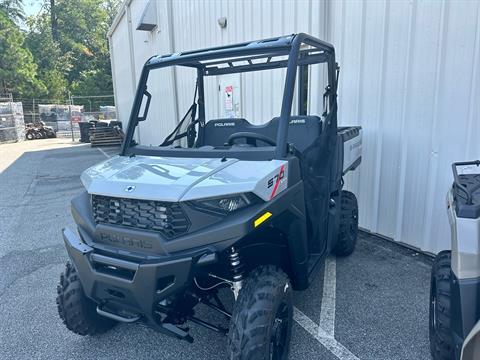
195 26
410 77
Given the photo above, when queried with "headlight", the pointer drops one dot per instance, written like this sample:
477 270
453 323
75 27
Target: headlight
226 204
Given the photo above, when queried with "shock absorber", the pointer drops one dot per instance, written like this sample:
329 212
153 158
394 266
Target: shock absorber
237 271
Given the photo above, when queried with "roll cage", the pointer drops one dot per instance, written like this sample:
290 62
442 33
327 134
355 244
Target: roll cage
292 52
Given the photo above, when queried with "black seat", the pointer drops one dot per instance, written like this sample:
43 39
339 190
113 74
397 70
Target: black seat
218 131
302 131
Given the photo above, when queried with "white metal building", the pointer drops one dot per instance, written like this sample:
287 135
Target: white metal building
410 76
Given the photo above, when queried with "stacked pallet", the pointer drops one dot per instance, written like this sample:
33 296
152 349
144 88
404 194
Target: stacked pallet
12 124
106 136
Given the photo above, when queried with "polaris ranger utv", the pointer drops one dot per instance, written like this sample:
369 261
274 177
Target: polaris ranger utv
455 284
217 203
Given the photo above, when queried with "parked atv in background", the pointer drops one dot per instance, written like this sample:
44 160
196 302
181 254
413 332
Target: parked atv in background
219 203
455 282
39 131
31 132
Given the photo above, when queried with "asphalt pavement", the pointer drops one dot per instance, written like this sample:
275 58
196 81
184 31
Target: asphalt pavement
371 305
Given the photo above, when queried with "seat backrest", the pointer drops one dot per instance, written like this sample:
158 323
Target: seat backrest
302 130
217 131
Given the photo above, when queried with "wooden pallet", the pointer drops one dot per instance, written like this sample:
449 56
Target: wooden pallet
106 136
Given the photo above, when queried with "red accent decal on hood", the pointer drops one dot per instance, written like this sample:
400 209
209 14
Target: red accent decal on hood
282 170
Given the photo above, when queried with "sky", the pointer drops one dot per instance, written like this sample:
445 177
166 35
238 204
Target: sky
32 7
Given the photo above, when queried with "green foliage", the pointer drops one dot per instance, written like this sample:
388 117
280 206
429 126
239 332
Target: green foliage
13 9
83 27
70 55
53 64
18 71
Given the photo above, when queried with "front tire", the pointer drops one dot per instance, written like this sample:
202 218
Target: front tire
79 313
441 342
348 228
261 324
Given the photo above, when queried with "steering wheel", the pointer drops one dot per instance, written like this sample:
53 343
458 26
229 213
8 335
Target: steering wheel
250 135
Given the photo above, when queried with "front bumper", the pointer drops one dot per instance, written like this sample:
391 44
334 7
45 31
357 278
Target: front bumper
124 288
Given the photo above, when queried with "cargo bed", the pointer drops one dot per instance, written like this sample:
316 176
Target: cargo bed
350 147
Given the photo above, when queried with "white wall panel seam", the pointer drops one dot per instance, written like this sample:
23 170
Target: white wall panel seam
342 52
473 86
433 159
361 73
380 118
403 142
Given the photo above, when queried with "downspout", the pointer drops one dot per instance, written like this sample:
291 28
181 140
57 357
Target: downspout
113 26
112 65
171 44
132 56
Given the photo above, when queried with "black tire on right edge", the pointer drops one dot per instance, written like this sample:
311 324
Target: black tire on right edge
348 228
261 324
441 346
79 313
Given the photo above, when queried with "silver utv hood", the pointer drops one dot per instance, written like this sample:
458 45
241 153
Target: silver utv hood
182 179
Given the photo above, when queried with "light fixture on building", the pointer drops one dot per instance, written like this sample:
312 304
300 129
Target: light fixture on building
222 22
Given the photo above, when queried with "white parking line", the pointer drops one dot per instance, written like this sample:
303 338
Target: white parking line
337 349
327 311
324 333
103 152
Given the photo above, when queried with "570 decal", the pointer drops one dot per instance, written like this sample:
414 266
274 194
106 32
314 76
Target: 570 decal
275 181
272 181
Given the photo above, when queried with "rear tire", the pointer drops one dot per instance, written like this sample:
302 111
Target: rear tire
79 313
348 228
441 342
30 136
261 324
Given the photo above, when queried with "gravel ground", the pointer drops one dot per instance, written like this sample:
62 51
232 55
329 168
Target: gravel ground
381 290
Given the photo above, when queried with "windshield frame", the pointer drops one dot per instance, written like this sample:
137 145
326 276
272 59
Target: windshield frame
205 60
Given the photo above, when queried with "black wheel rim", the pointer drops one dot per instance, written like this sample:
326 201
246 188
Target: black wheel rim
433 306
354 225
434 313
278 341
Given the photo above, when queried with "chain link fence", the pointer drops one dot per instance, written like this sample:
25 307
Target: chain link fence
65 115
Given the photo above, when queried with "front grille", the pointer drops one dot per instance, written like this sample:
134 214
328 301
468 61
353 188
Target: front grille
167 218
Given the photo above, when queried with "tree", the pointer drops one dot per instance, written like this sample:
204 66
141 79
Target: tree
13 9
18 72
83 26
53 64
69 43
65 48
